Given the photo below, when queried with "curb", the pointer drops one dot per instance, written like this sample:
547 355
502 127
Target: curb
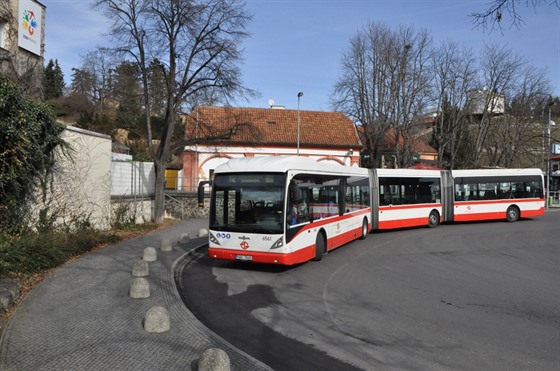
238 358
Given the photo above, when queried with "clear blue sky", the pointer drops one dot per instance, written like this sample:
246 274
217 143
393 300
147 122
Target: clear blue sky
296 45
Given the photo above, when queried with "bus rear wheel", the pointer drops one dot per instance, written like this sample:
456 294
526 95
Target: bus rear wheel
433 219
319 247
512 214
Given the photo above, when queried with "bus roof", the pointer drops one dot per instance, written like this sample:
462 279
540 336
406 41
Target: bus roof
283 164
407 173
495 172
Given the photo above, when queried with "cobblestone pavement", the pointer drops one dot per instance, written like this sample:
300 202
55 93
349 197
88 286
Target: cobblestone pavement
82 317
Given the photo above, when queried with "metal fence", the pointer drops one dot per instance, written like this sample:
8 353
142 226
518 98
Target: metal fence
132 179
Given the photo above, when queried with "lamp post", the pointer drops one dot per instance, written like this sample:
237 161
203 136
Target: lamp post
548 172
300 94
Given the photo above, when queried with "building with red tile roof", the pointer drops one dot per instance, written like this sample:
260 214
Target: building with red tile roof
216 134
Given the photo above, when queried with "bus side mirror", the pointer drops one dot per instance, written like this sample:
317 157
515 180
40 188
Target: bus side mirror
201 192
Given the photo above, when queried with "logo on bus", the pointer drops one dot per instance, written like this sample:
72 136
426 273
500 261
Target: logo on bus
244 245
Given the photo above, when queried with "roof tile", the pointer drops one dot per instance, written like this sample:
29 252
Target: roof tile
234 125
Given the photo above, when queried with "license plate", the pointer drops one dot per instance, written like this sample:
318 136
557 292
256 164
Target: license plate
243 257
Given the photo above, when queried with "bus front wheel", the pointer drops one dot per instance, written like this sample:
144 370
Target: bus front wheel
319 247
512 214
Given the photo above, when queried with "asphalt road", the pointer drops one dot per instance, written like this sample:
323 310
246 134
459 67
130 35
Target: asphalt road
468 296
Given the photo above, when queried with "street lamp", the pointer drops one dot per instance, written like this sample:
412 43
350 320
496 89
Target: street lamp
300 94
549 150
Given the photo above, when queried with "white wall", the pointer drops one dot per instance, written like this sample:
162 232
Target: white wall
81 184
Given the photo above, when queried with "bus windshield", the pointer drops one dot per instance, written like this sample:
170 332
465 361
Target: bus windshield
248 202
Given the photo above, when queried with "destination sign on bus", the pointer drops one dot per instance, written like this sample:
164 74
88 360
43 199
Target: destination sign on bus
253 179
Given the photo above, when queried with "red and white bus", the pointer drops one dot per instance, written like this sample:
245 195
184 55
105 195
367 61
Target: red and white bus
494 194
288 210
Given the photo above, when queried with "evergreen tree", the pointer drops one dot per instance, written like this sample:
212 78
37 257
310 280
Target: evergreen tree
130 115
127 93
82 82
53 80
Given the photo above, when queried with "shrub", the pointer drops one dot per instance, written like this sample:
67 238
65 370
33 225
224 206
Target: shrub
36 252
29 135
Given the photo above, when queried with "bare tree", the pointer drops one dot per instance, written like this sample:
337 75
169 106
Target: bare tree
503 113
413 94
196 45
94 79
499 68
361 90
384 85
454 76
498 10
517 135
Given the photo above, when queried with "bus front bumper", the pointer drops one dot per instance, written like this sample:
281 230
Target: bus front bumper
263 257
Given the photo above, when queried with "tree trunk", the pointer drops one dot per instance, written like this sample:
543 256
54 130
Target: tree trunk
159 201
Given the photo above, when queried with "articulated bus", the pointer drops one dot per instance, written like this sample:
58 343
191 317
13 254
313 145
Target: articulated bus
288 210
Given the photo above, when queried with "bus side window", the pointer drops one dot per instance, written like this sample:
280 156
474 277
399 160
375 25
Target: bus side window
382 195
463 192
504 190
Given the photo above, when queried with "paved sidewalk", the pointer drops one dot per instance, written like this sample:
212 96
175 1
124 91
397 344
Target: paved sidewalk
82 317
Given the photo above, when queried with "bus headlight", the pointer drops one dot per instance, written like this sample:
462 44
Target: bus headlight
213 239
278 244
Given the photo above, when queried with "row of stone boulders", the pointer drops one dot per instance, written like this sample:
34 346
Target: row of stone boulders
157 319
9 292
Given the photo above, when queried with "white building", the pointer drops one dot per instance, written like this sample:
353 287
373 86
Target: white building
483 100
216 134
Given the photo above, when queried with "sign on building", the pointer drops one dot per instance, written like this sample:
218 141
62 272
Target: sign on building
30 21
